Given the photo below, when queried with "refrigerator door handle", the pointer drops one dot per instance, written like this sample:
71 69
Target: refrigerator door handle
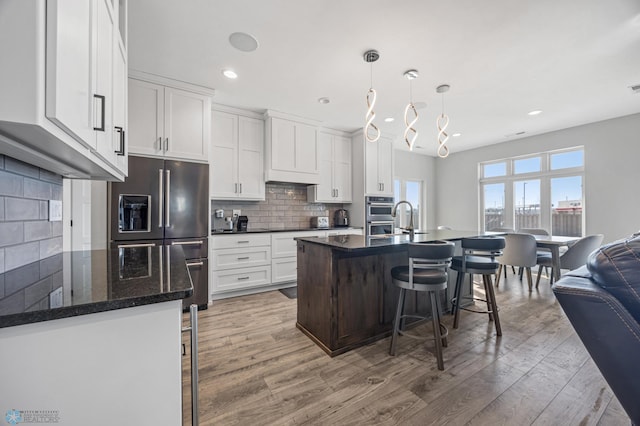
136 245
195 264
160 198
186 243
168 222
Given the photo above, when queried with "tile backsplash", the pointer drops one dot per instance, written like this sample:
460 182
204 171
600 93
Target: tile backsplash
26 235
285 207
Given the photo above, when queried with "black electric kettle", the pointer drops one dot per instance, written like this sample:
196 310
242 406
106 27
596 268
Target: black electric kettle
341 218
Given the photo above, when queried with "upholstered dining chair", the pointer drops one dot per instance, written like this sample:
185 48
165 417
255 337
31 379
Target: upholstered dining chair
519 250
575 256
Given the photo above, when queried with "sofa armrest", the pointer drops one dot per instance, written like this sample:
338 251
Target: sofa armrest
610 334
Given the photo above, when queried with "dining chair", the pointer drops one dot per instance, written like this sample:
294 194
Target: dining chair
519 250
575 256
541 252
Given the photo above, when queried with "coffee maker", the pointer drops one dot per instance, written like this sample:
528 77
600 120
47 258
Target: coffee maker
341 218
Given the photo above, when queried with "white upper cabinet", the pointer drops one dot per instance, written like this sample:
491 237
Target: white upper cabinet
334 160
291 150
236 162
58 85
168 122
379 167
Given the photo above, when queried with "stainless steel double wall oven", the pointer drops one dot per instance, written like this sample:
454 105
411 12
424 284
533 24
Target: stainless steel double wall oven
379 221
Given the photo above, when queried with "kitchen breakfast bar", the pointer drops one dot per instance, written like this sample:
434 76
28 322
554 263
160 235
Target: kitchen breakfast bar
346 297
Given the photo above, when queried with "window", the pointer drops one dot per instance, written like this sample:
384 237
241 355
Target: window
411 191
537 191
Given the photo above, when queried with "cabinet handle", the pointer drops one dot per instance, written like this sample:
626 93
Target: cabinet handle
243 258
241 187
102 100
336 192
243 278
166 144
242 242
121 131
235 188
159 144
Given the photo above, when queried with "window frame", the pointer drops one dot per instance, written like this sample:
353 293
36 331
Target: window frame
545 175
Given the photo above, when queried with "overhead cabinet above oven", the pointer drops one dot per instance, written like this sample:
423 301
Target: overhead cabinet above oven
62 85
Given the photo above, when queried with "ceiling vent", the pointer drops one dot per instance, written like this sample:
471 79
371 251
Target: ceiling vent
635 88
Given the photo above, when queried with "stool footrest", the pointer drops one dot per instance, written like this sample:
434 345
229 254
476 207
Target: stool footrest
444 332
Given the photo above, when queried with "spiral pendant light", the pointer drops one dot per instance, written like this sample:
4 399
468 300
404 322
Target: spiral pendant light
371 131
410 133
441 123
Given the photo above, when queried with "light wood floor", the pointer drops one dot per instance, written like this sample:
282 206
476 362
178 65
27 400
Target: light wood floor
256 368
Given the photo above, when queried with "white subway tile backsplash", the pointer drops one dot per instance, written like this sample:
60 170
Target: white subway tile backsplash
37 230
37 189
11 233
21 209
21 168
11 184
20 255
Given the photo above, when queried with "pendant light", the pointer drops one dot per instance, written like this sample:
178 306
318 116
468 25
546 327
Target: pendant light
442 122
371 131
410 75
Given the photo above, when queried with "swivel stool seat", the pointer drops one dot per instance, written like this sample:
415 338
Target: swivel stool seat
427 272
478 258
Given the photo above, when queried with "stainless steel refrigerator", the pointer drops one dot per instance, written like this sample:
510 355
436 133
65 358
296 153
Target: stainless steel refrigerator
163 203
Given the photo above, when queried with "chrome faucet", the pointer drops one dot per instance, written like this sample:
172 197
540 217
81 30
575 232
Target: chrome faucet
410 227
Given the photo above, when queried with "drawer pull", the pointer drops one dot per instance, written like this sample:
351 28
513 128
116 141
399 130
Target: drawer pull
243 258
243 242
243 278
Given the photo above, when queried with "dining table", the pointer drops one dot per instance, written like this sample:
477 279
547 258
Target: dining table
553 244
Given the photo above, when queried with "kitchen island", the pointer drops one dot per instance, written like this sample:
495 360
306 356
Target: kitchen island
94 337
346 297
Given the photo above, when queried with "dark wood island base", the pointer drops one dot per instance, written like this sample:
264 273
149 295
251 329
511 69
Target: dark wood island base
346 297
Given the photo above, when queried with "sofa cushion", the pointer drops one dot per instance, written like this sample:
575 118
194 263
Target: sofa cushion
616 268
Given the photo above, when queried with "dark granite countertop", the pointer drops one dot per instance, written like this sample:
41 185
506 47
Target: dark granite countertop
263 230
353 243
85 282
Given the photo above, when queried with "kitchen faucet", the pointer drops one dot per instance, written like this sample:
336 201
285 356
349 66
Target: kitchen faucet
410 227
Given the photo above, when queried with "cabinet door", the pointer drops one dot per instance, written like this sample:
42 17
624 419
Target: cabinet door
69 81
385 165
372 183
120 137
103 101
146 118
251 159
342 168
325 190
223 164
187 124
283 149
306 150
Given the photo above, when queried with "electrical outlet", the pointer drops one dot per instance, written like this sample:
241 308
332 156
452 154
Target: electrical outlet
236 212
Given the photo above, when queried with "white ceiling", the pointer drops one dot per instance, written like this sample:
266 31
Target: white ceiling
573 59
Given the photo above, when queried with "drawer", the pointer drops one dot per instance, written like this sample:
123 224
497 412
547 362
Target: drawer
284 245
240 257
238 279
240 240
284 269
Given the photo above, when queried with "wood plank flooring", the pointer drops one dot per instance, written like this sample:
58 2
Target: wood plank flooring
256 368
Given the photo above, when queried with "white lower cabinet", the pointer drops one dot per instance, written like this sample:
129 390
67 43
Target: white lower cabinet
249 263
239 262
284 262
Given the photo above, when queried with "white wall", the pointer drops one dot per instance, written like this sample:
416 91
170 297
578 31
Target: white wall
408 165
612 174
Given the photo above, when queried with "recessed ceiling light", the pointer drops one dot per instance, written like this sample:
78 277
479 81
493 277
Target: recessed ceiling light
230 74
389 119
535 112
455 135
243 41
324 101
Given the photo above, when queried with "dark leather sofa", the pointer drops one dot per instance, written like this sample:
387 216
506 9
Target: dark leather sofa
602 301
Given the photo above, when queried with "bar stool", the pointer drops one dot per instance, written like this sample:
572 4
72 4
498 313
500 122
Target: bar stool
427 272
478 257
